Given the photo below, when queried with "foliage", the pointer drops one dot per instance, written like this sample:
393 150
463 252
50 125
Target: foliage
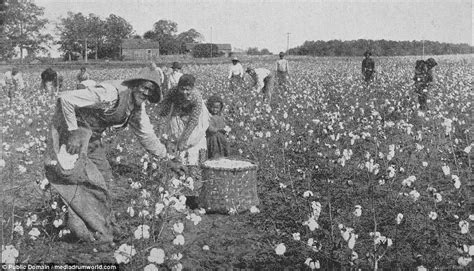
378 47
91 35
206 50
164 31
256 51
22 29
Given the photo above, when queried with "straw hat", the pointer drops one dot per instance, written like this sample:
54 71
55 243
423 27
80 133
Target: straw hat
153 76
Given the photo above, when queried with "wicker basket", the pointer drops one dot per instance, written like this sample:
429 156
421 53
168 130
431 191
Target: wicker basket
229 188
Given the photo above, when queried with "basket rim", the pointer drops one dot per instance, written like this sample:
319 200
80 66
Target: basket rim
253 166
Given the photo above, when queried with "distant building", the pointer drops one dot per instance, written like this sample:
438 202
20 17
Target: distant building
140 49
224 48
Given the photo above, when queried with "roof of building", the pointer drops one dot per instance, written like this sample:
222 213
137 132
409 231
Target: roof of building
140 44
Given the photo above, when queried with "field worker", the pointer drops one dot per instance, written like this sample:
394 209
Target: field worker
14 83
174 76
263 81
424 79
282 70
188 120
80 119
236 74
368 67
83 75
51 81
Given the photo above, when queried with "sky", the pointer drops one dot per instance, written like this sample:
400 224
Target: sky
266 23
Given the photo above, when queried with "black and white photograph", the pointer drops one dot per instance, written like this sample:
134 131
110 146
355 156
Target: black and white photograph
236 135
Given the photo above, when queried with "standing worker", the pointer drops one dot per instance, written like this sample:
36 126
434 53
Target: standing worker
368 67
236 74
282 71
51 81
80 119
14 83
174 76
424 79
263 81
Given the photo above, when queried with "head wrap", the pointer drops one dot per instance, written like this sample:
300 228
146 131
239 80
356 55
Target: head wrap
215 99
187 80
176 65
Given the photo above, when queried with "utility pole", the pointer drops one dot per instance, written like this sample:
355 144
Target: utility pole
288 43
211 42
423 52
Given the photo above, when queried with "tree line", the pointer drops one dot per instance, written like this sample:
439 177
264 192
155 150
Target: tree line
378 47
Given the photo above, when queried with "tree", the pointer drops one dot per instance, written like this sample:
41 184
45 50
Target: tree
206 50
190 36
92 35
23 28
117 29
164 31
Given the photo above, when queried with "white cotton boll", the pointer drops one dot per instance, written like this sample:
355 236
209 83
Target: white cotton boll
357 211
425 164
446 170
142 232
157 255
433 215
179 240
65 159
352 241
307 194
464 225
296 236
464 261
254 210
124 253
205 247
150 267
457 182
280 249
178 227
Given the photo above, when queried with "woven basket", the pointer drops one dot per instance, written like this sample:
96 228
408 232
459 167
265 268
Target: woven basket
228 189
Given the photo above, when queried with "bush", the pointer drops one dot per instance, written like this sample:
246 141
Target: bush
206 50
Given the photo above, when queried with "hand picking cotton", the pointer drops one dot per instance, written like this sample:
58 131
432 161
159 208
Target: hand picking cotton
65 159
227 163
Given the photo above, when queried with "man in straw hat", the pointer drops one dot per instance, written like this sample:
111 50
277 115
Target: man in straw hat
236 74
80 119
368 67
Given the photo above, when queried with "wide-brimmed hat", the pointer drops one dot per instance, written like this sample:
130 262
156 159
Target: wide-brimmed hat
367 53
176 65
235 58
153 76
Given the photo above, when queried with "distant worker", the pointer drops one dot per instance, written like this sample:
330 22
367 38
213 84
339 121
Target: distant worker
424 79
282 70
83 75
173 77
13 83
263 81
368 67
51 81
236 74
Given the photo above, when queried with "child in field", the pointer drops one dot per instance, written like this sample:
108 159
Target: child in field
216 140
51 81
13 83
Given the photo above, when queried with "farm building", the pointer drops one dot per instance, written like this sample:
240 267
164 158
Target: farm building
140 49
225 48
